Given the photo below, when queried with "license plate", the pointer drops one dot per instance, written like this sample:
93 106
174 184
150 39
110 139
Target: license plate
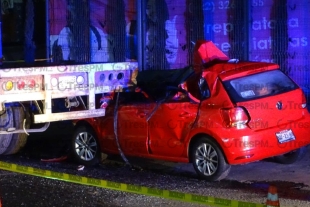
285 136
67 81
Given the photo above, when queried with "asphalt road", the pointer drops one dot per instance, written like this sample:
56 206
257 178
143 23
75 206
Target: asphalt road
245 182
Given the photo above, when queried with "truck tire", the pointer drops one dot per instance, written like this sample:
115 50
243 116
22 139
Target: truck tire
19 140
6 121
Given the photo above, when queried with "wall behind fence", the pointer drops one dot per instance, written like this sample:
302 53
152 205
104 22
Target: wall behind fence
258 30
277 31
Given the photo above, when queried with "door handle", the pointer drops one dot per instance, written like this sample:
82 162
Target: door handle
141 114
185 114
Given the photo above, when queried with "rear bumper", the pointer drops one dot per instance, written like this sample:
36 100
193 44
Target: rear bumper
248 145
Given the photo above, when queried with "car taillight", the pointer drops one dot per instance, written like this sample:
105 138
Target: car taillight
235 117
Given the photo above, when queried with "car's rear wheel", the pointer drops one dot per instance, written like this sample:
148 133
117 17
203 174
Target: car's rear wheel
292 156
208 160
85 146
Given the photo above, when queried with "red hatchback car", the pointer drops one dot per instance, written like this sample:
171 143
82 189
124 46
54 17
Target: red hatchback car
217 113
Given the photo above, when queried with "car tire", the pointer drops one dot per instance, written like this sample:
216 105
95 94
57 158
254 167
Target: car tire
85 146
208 160
292 156
18 140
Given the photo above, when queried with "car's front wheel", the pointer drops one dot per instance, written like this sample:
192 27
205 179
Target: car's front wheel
85 146
208 160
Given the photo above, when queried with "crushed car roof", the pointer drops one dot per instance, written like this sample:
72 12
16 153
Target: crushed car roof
156 82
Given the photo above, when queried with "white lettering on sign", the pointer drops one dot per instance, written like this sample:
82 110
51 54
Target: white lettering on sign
265 23
224 28
225 46
296 41
262 44
266 44
257 2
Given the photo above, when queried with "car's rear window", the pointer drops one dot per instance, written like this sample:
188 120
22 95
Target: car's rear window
259 85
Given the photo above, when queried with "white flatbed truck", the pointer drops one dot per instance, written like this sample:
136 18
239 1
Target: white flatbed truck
24 88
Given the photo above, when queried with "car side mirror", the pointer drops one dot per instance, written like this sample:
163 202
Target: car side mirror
204 89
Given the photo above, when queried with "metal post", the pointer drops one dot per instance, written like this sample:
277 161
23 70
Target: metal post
29 44
141 33
47 29
1 55
248 28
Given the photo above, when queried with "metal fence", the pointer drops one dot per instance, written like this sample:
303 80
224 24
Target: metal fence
106 31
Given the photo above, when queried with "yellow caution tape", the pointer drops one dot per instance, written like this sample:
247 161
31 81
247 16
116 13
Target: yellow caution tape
186 197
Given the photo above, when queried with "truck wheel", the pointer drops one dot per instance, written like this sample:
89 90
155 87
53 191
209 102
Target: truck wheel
208 160
85 146
292 156
6 121
19 140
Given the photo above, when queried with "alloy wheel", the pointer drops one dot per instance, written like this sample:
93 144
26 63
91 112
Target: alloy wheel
206 159
85 146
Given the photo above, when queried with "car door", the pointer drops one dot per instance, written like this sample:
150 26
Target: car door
132 133
132 123
170 125
105 128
